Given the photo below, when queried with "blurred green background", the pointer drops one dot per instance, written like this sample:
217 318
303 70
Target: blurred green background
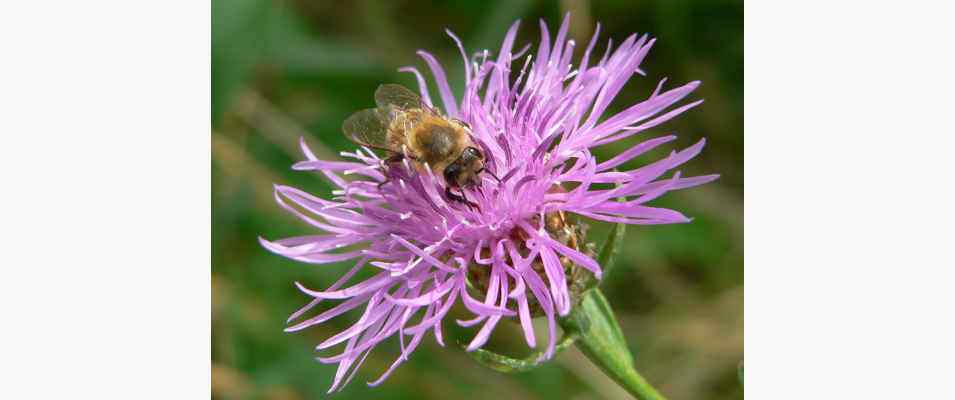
286 69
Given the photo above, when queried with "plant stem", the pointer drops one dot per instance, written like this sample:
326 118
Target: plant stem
602 341
627 377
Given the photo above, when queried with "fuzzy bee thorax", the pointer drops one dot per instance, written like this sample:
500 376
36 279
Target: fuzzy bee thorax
435 141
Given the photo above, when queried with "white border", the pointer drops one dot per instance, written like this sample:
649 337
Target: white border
105 159
848 200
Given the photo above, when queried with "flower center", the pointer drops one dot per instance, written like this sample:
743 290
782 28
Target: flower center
558 226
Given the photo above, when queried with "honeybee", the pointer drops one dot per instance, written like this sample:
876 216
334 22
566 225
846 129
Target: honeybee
406 127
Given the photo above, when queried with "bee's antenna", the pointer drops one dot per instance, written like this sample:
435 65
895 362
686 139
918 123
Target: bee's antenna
493 176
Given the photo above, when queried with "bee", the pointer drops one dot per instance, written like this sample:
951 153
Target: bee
405 127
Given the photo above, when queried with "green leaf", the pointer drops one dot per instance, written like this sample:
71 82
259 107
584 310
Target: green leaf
602 341
610 249
502 363
608 252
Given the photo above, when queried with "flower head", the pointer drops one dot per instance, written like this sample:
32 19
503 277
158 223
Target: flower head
515 255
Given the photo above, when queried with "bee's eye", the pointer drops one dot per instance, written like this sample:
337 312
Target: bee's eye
473 152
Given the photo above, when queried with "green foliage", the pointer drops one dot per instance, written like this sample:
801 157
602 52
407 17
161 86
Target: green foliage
602 341
502 363
611 247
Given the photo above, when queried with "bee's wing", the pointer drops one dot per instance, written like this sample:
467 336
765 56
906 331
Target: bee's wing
368 127
391 94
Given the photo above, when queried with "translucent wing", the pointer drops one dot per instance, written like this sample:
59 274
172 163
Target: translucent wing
368 128
397 96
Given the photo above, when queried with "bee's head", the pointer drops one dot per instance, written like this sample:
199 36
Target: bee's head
464 171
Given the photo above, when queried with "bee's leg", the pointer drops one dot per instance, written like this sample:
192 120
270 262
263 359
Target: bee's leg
395 158
460 198
479 190
452 196
470 204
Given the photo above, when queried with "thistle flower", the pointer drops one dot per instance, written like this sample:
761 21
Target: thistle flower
516 254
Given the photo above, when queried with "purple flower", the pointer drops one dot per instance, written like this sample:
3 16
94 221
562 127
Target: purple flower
513 254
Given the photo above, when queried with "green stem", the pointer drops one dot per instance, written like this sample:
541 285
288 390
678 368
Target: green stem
602 341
